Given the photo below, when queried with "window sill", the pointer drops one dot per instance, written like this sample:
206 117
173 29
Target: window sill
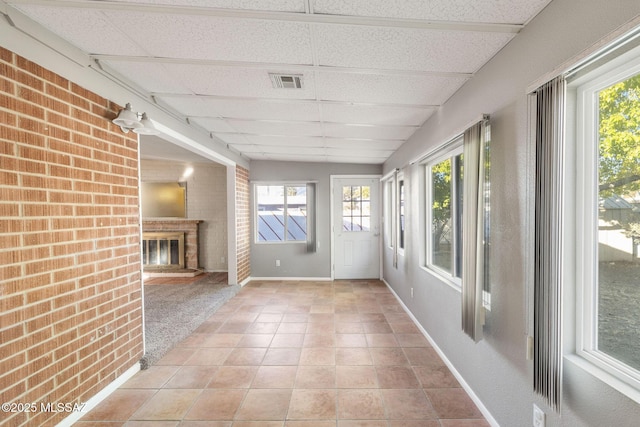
604 376
444 278
289 242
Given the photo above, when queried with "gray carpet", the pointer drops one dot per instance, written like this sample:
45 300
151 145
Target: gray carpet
172 312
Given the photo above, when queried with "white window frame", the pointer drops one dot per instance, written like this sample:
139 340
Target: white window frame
389 211
256 233
585 146
402 236
451 150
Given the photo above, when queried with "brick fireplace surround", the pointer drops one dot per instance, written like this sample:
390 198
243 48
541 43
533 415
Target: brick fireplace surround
190 229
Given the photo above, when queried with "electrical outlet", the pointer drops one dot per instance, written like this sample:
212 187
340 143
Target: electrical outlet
277 263
538 416
411 292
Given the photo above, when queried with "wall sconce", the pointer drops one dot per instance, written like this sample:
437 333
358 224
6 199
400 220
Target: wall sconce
130 120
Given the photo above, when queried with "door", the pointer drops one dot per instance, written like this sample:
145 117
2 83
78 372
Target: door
356 228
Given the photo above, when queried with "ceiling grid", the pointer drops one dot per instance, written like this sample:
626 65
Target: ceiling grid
373 71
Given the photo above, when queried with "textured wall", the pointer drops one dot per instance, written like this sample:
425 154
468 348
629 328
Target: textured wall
70 289
243 224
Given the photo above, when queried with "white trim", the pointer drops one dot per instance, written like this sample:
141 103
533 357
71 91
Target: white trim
293 279
100 396
454 371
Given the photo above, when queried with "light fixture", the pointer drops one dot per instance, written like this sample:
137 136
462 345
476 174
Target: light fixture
129 120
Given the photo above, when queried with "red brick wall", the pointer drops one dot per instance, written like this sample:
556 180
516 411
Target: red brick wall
243 223
70 284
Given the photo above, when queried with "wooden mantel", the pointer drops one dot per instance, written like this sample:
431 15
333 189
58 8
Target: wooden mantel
188 226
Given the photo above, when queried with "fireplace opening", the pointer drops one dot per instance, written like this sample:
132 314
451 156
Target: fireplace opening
163 250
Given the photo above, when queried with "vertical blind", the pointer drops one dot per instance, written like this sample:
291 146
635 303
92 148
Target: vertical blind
473 268
547 294
311 217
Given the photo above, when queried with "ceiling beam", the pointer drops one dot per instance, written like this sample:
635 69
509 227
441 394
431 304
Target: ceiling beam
309 17
277 66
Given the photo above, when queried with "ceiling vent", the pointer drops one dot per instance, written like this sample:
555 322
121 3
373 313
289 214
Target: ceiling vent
286 81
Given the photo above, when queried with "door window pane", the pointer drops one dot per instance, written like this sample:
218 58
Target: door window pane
356 210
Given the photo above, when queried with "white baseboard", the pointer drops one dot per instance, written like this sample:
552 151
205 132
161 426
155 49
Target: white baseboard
463 383
297 279
102 394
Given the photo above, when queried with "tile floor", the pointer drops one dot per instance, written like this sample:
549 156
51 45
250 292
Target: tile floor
297 354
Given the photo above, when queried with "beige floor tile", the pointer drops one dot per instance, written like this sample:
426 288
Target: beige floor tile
382 340
275 377
388 356
360 405
255 340
154 377
216 405
312 405
353 356
356 377
464 423
282 356
318 356
233 377
120 405
325 340
351 340
208 356
245 357
407 405
265 405
191 377
316 377
396 377
452 403
287 340
167 405
435 377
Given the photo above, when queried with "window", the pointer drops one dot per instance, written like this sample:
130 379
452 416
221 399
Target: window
356 208
444 213
607 205
401 215
281 213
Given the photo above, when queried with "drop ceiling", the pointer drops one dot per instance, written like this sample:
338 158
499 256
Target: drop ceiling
372 71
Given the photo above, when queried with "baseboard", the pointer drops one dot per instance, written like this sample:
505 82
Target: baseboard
463 383
102 394
297 279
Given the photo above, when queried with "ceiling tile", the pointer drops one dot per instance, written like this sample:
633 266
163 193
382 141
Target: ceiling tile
502 11
364 145
379 88
149 76
84 28
244 109
286 141
212 125
270 5
368 131
371 114
215 38
237 82
277 128
407 49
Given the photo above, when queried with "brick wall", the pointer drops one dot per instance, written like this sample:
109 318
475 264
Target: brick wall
243 223
206 201
70 290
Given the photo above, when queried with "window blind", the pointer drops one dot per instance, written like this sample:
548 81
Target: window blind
473 259
547 297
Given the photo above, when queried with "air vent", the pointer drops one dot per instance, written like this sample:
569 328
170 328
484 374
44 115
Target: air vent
286 81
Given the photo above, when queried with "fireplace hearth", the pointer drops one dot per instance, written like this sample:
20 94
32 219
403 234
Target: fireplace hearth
170 245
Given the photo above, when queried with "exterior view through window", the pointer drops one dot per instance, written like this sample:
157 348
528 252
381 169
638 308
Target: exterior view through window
446 214
356 208
281 213
618 283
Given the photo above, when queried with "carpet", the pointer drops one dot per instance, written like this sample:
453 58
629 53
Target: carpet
172 312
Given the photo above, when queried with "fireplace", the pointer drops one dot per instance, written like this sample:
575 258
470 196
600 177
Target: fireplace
163 249
170 244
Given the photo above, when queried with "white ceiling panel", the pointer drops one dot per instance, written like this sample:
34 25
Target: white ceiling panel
149 76
500 11
245 109
368 131
373 70
84 28
286 141
236 82
215 38
277 128
212 125
407 49
269 5
362 144
372 114
387 89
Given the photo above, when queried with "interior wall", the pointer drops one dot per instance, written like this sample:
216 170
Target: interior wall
206 201
294 260
496 368
70 276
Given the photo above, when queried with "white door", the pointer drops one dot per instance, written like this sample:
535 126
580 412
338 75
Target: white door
356 228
